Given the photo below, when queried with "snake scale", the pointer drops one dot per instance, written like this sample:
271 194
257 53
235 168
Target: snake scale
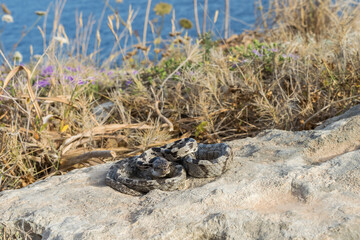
166 167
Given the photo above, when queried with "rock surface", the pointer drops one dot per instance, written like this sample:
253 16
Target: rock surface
102 112
281 185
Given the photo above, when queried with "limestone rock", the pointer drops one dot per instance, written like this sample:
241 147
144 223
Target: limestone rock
281 185
103 111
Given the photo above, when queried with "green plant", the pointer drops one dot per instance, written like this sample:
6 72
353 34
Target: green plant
208 43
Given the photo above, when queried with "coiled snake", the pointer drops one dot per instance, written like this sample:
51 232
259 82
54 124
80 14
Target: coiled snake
165 167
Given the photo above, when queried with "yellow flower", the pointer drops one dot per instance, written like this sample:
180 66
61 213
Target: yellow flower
162 9
185 23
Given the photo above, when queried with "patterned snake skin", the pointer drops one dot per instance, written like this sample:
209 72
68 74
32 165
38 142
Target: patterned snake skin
166 167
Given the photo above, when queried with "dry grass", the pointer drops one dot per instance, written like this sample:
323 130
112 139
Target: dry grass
21 231
302 69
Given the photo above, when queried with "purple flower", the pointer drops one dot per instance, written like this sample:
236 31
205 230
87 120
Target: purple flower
178 73
71 69
70 78
135 72
256 52
81 82
274 50
293 56
48 71
42 83
128 83
110 73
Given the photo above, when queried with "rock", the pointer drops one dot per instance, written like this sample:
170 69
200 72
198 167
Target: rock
103 111
281 185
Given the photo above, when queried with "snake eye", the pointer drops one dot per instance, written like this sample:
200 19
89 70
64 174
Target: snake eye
142 165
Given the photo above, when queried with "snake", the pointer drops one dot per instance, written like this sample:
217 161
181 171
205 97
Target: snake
166 168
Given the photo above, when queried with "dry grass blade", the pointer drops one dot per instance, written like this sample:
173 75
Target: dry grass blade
196 18
60 99
328 106
68 161
184 120
5 59
106 129
227 16
146 22
205 16
82 155
4 114
171 126
29 87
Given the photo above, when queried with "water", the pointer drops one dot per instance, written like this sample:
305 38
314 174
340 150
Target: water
241 12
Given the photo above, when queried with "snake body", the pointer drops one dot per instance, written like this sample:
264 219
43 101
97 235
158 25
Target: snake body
166 167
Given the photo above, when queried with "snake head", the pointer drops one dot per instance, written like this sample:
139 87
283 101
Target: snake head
160 167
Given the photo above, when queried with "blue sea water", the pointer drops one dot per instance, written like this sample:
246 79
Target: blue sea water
23 12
